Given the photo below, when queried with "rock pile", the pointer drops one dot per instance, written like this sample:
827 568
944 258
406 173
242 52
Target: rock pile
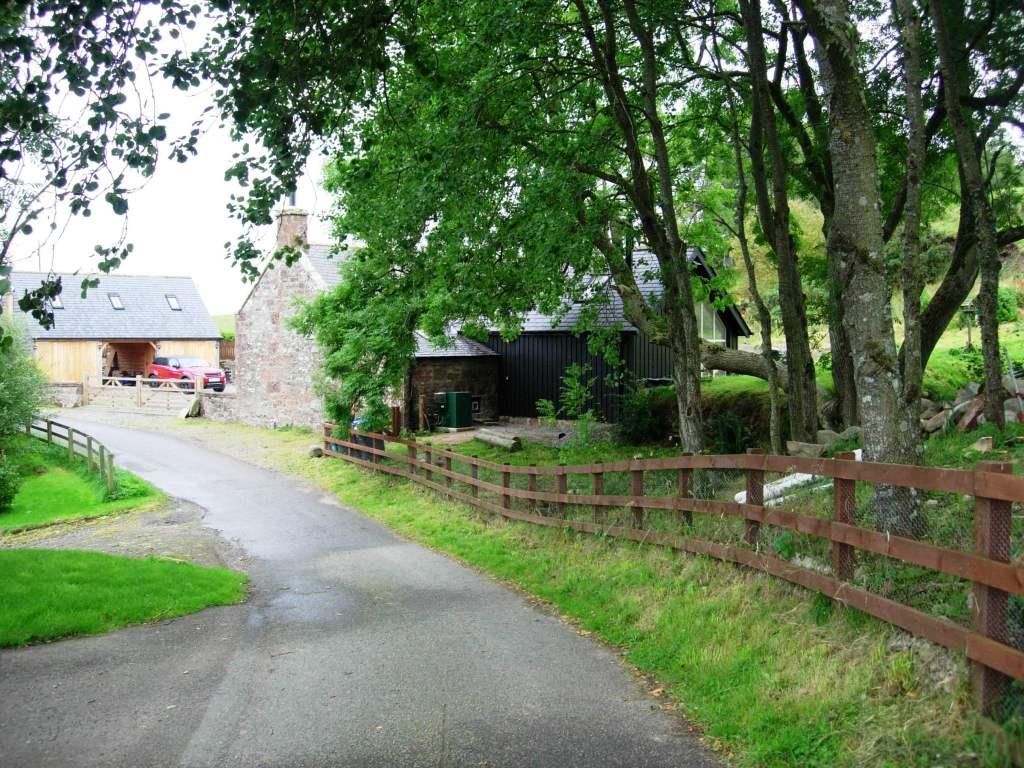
967 410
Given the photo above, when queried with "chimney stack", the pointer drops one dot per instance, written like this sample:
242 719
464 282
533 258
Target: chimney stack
292 224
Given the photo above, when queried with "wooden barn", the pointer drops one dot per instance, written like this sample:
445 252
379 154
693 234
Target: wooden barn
119 327
533 364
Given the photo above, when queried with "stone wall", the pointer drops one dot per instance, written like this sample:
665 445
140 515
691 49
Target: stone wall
65 395
220 406
274 366
476 375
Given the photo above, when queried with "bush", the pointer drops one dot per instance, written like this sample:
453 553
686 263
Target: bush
10 480
1006 305
638 422
726 432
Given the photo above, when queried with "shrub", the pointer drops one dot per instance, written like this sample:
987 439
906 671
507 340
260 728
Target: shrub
1006 305
547 412
10 480
726 432
638 422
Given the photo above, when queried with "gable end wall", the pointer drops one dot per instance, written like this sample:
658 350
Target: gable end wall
275 365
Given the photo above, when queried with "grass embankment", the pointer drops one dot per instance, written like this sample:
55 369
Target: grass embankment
57 488
50 594
775 676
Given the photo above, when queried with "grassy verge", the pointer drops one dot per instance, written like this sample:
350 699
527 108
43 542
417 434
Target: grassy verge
775 676
59 489
49 594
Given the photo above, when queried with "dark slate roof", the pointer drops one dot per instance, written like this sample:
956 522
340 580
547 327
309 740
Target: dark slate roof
645 267
146 313
460 347
326 263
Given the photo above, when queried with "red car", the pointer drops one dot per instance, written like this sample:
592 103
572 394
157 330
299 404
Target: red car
188 369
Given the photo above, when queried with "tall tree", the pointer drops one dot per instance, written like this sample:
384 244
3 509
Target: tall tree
773 213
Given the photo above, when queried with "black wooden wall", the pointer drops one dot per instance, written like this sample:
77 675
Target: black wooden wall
532 367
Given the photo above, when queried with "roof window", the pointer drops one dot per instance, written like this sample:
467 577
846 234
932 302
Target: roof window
115 300
172 302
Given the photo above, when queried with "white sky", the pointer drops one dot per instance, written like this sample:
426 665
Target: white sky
178 221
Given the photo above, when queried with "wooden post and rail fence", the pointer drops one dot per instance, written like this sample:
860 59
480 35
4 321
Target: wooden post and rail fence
76 443
985 567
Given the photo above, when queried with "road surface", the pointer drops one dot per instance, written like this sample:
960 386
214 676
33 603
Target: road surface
356 648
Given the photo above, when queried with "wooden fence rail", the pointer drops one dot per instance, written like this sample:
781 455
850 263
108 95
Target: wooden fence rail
992 576
76 443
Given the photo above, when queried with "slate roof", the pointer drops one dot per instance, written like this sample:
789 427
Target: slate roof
460 347
146 313
645 268
325 263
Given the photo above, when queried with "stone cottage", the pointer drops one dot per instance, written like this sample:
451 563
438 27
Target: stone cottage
275 366
276 369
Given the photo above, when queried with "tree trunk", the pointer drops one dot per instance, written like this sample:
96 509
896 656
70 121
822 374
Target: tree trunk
843 379
912 368
953 64
855 236
764 315
773 212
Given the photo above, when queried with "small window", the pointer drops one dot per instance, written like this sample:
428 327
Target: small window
115 300
172 302
57 302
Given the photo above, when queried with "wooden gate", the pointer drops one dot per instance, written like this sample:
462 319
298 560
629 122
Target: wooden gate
161 396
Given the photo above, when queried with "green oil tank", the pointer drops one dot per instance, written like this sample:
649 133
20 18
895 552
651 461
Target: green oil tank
459 412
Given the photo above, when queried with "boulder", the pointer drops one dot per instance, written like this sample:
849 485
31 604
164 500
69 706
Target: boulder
1011 417
827 437
1014 405
928 408
1008 385
315 452
982 445
936 422
804 450
971 414
851 433
968 393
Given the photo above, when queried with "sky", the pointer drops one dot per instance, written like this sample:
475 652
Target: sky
178 221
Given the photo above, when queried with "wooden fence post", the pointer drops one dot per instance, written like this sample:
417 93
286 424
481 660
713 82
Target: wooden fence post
598 478
138 391
448 466
111 483
683 490
844 496
638 492
88 444
563 488
49 432
396 420
428 457
474 471
71 443
531 484
506 481
755 495
992 522
411 451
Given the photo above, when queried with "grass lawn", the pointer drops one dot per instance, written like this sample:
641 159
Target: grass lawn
774 675
58 489
49 594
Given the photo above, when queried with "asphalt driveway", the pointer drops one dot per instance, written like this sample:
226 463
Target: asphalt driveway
357 648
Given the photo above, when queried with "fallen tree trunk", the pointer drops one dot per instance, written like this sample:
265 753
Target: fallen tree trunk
508 442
